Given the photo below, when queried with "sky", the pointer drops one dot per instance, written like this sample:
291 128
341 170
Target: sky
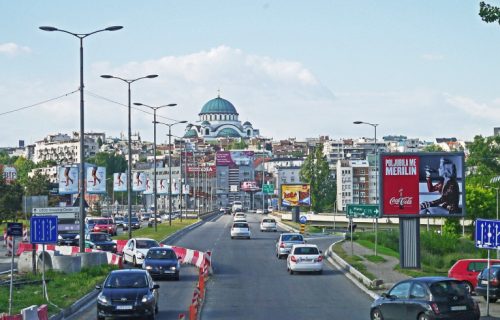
294 69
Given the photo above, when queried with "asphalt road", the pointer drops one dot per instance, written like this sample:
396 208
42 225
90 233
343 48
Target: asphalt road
249 282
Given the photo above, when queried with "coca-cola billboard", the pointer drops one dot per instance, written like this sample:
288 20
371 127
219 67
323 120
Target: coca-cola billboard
423 184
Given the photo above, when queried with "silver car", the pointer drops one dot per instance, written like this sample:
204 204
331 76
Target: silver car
268 224
240 230
286 241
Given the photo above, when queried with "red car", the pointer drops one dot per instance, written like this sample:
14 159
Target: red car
104 225
467 270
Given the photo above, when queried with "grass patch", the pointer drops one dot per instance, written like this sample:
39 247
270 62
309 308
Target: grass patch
374 258
380 249
164 230
63 289
354 261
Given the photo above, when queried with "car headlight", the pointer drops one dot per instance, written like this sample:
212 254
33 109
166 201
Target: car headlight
173 268
149 267
146 298
77 237
59 237
102 299
98 247
140 255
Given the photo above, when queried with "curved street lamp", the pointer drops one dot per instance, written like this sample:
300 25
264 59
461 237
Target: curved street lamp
170 125
81 36
129 175
154 149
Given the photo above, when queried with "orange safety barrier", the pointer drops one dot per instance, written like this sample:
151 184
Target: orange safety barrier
43 312
201 285
182 316
193 312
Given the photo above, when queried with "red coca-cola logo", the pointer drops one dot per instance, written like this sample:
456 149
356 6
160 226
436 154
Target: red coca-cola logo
399 200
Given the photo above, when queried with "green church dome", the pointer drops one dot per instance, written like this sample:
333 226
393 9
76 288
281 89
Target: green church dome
228 132
191 133
218 106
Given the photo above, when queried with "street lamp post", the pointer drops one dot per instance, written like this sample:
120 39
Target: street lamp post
81 36
169 125
374 125
129 174
154 152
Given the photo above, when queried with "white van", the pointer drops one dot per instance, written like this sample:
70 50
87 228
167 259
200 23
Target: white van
237 206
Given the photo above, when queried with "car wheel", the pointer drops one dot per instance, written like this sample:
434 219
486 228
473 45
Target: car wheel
232 237
99 317
291 271
423 317
134 261
493 300
156 308
377 315
319 272
177 277
469 287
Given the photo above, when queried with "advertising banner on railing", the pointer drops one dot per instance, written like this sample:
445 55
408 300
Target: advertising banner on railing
96 179
293 195
149 185
119 182
425 184
68 180
161 186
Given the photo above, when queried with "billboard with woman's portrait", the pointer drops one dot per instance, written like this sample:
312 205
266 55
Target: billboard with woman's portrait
423 184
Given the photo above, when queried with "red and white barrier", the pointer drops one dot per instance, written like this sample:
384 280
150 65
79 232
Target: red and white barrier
25 234
4 237
10 246
43 312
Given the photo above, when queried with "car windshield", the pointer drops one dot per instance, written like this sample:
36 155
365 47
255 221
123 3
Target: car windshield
128 280
240 225
269 220
119 219
101 221
292 237
161 254
144 244
100 237
448 288
134 220
306 250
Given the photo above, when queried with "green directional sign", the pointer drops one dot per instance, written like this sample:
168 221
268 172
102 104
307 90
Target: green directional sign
363 211
268 188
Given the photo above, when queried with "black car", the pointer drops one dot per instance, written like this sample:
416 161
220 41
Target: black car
136 224
426 298
128 293
162 262
100 241
482 282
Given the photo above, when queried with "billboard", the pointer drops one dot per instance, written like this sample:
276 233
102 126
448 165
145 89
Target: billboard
119 182
138 181
68 180
424 184
161 186
9 173
234 158
249 186
149 185
293 195
96 179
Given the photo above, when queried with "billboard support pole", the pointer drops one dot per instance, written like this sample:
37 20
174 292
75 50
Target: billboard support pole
409 243
295 213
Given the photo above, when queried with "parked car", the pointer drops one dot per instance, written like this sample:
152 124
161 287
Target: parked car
268 224
482 282
135 250
155 216
305 258
286 241
467 270
426 298
240 217
100 241
145 216
240 230
128 293
162 262
104 224
136 224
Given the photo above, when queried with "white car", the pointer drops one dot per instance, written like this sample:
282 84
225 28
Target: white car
240 230
268 224
305 258
259 211
241 217
136 249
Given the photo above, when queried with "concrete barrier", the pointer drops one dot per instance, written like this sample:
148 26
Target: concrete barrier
91 259
67 264
25 262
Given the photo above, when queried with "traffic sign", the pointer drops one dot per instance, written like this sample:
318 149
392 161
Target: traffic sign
363 211
268 188
43 229
14 229
487 234
303 219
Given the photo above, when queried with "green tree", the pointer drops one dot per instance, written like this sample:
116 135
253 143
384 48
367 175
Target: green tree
238 145
484 159
10 200
23 167
316 172
433 148
38 185
99 142
480 202
489 13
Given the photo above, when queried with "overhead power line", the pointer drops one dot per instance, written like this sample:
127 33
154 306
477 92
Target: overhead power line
38 103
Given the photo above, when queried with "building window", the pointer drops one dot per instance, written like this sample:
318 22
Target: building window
207 132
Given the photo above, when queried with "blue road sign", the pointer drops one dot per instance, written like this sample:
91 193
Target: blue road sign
14 229
43 229
487 234
303 219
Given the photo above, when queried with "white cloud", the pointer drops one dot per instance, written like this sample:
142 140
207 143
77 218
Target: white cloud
12 49
432 56
475 109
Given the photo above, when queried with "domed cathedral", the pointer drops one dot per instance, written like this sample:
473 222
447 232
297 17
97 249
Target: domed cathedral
219 119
